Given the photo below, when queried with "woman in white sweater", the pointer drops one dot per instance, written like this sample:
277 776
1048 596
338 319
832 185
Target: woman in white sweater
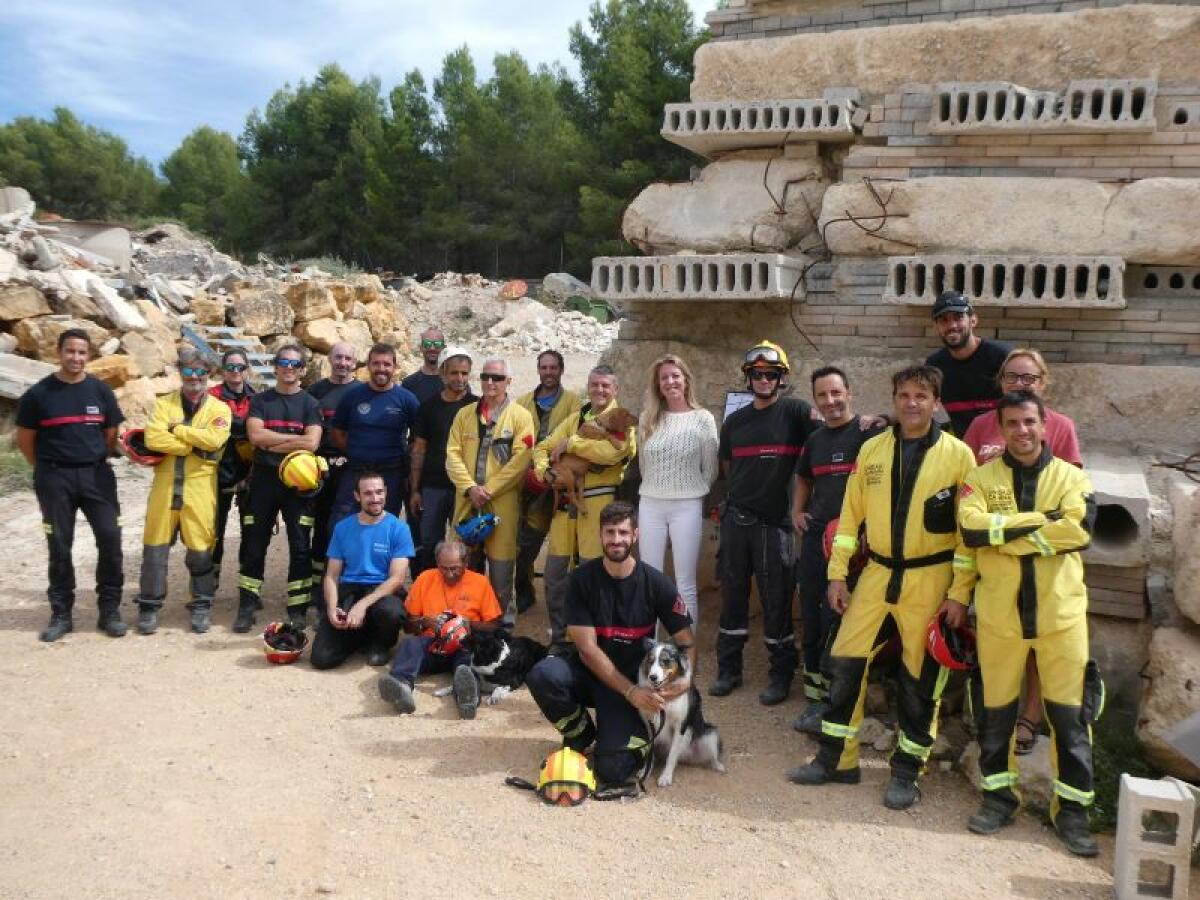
678 460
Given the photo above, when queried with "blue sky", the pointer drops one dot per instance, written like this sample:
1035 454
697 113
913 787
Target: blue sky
152 70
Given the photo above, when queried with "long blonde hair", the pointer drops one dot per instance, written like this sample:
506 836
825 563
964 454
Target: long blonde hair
655 405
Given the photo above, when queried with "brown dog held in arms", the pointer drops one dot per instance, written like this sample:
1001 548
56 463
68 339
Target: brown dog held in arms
565 475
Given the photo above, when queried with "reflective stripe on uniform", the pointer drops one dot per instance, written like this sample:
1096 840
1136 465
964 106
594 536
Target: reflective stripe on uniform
48 527
845 542
1043 545
735 632
253 585
996 530
248 519
306 521
999 781
833 729
786 639
912 748
940 685
1067 792
964 563
568 727
300 584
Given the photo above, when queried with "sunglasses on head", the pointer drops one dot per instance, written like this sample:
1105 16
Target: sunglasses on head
765 375
234 367
289 363
191 372
432 345
491 376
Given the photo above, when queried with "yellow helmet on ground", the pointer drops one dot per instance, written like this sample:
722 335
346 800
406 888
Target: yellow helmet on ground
303 471
566 778
766 354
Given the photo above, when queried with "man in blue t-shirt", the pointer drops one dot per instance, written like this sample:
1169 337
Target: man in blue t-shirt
366 568
371 428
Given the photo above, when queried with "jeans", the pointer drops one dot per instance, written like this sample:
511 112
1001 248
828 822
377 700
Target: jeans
413 659
682 522
437 504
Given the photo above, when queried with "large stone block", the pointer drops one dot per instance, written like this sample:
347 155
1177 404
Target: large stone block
149 355
260 313
38 337
1149 41
20 301
1150 221
123 315
114 370
322 334
1172 695
208 308
728 208
136 399
386 324
1185 502
310 300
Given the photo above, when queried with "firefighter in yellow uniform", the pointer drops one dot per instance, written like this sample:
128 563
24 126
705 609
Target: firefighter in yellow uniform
1026 516
191 427
903 487
487 454
550 404
574 537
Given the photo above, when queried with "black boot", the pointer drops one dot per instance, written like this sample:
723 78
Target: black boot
726 684
1072 826
60 624
776 692
245 619
110 623
816 773
147 620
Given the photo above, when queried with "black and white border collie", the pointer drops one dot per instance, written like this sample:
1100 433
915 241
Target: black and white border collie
501 661
680 733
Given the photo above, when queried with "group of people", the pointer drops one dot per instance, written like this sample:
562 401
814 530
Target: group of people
884 523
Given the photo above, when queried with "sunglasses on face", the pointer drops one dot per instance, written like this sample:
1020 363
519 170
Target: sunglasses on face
189 372
766 375
234 367
491 376
289 363
1025 378
432 345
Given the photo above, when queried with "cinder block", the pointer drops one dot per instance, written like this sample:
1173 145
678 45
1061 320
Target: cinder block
1154 838
734 276
1163 281
1095 105
719 126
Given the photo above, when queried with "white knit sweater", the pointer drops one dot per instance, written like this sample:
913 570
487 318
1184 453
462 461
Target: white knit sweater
679 461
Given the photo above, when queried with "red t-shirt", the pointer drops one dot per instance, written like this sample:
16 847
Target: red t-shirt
986 442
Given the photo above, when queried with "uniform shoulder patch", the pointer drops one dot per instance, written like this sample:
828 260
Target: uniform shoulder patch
966 491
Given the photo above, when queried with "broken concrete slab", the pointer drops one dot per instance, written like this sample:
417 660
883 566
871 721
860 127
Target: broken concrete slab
1172 695
123 316
18 374
1121 536
20 301
1185 502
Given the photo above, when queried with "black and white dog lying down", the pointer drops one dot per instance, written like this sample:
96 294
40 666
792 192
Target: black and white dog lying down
501 661
680 733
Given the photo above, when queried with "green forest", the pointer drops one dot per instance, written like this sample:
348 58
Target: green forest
525 172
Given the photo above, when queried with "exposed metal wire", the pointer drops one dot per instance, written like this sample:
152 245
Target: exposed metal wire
1189 466
883 218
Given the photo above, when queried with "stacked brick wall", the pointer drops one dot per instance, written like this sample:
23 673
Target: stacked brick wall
747 21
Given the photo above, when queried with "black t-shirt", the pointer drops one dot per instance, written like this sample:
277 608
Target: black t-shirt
70 419
425 387
434 419
328 394
624 610
827 461
761 447
969 385
284 413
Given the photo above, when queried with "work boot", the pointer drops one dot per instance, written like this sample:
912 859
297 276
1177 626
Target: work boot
378 656
201 620
466 692
901 793
725 684
59 625
525 599
816 773
147 620
989 818
398 693
1072 826
776 692
110 623
245 619
809 721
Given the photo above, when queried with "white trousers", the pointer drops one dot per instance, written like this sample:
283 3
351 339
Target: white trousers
681 522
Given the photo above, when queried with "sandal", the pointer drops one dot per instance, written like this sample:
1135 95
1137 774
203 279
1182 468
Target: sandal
1024 746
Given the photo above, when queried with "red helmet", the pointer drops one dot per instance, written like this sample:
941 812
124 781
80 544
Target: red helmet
449 632
283 643
953 648
533 484
133 442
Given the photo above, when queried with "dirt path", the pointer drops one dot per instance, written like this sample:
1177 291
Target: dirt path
182 765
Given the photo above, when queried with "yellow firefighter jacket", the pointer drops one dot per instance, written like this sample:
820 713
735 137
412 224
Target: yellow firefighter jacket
910 522
567 407
608 462
506 456
1025 528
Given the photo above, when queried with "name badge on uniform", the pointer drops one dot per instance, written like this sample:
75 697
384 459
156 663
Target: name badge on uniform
364 409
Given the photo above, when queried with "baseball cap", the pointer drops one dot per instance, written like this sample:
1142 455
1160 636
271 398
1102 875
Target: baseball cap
951 302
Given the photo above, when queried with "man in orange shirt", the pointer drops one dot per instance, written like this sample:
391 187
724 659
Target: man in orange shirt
450 587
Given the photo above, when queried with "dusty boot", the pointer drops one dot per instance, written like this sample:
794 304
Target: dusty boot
466 692
59 625
245 619
110 623
726 684
1072 826
901 793
147 622
776 692
989 818
809 721
398 693
815 773
201 619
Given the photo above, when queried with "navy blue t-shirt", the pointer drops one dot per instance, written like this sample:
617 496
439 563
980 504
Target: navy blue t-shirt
423 387
70 419
367 551
376 424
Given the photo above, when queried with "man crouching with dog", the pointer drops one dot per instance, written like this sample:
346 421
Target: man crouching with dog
613 604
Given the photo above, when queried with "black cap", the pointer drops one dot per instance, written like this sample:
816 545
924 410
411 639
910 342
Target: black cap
951 302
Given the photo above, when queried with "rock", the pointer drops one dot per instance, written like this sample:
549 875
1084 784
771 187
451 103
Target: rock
9 265
150 358
317 368
727 208
209 309
1172 695
370 291
381 320
558 286
161 328
164 384
136 399
78 306
19 301
1037 776
18 374
261 312
15 205
310 300
322 334
521 315
38 337
109 347
46 258
419 293
343 296
123 316
1151 221
873 733
1185 501
1126 42
8 343
356 311
114 370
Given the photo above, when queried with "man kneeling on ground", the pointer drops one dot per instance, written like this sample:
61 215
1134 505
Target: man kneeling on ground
613 604
450 587
367 565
